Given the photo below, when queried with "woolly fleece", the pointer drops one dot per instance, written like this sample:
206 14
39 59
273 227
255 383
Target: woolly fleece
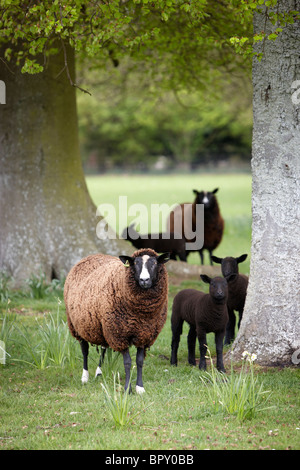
106 306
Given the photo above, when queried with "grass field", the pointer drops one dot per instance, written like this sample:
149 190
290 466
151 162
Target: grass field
234 198
43 404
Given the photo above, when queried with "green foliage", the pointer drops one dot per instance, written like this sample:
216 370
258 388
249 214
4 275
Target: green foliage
127 130
40 287
183 43
239 394
4 286
55 336
51 344
244 44
177 37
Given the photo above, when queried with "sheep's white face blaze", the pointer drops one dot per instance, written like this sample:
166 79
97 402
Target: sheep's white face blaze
145 270
145 267
145 279
205 198
144 276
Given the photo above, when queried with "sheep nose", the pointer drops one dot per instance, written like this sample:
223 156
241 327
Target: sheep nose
145 283
220 295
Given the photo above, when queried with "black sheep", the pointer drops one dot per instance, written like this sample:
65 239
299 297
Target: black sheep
204 313
159 242
237 291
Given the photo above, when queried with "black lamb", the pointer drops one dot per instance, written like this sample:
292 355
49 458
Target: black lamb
237 291
204 313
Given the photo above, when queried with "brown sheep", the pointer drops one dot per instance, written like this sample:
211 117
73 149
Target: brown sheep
118 302
237 291
183 220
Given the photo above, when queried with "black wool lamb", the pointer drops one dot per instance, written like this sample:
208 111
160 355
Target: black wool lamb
237 292
204 313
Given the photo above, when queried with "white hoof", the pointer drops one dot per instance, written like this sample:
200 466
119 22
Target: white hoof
139 389
85 376
98 371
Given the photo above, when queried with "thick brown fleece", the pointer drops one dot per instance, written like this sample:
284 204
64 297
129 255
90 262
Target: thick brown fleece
107 307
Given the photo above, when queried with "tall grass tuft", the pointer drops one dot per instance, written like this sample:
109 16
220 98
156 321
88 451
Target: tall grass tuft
117 402
40 288
52 343
56 338
4 286
239 394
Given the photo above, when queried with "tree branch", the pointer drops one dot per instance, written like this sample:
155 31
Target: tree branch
66 68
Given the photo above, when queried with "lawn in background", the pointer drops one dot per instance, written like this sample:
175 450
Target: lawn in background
234 198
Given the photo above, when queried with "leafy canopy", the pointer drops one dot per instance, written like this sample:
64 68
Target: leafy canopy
180 38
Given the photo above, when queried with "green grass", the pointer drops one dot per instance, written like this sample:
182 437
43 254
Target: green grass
43 404
234 198
49 408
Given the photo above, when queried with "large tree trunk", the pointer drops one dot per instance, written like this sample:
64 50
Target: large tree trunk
47 219
270 326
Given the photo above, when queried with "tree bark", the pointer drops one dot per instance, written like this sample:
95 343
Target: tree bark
47 219
270 326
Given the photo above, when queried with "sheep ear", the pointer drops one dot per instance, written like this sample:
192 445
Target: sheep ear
195 191
216 259
205 278
126 260
231 277
241 258
215 191
164 258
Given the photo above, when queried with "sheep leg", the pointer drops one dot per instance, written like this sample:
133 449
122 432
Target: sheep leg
219 336
101 360
203 348
240 317
230 328
140 354
210 257
191 340
85 352
176 332
201 256
182 256
127 367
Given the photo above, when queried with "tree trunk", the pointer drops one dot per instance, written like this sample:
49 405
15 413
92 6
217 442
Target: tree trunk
47 219
270 326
